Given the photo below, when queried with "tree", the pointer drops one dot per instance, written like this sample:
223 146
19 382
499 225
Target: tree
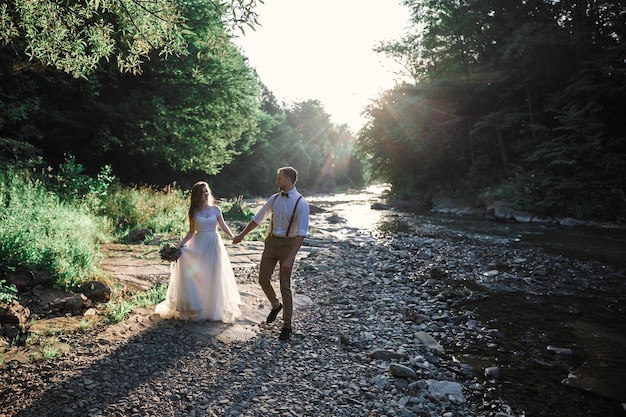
410 139
321 150
530 89
75 37
184 114
302 135
181 116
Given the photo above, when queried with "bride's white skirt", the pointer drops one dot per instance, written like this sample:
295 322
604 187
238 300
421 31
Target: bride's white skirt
202 283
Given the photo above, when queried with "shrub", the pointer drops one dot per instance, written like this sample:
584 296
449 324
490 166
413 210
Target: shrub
40 232
164 211
72 185
146 207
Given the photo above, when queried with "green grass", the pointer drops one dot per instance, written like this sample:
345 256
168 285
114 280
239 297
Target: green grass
8 292
120 308
52 331
164 211
40 232
16 341
49 351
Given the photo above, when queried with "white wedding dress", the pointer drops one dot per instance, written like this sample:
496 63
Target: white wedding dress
202 283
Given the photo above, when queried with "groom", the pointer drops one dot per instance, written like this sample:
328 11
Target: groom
289 226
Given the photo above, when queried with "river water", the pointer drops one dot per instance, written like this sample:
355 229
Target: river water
563 320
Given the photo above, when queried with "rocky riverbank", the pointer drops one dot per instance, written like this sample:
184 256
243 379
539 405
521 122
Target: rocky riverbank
380 326
367 342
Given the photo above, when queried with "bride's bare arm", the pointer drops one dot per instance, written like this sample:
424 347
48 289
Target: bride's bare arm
224 226
190 233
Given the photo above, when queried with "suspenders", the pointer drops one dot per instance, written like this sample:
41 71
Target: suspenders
290 220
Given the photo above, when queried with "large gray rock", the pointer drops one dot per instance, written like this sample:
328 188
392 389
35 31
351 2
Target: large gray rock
401 371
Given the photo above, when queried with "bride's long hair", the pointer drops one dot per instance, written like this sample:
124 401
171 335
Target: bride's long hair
195 200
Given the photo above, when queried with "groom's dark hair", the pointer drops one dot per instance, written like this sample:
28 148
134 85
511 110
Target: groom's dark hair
290 172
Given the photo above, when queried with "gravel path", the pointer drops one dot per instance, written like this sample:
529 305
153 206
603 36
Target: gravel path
367 342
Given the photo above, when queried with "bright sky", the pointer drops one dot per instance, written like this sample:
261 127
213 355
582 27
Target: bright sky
322 50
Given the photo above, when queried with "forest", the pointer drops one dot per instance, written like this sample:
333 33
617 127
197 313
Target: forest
519 101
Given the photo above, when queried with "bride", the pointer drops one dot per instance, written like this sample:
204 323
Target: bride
202 283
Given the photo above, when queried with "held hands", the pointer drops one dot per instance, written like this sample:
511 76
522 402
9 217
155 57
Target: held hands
237 239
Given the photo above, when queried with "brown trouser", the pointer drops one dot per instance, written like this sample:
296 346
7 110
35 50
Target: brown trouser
276 250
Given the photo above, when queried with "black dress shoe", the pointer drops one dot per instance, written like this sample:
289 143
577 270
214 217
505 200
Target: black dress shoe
272 316
285 334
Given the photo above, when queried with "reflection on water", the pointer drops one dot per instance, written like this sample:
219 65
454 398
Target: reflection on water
601 371
592 243
354 208
533 377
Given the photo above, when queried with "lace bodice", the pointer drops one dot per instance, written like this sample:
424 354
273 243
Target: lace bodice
206 220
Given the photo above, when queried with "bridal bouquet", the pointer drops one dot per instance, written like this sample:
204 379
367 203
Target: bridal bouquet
170 252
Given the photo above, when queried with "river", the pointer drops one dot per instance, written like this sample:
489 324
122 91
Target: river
556 294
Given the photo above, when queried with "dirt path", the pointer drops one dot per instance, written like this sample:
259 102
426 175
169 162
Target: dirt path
140 267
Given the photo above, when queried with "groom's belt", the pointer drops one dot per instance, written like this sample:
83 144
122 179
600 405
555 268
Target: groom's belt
282 237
